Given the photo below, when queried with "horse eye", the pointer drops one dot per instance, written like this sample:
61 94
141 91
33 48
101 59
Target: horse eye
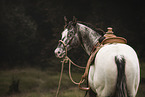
70 34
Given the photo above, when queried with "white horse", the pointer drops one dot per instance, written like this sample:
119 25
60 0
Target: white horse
115 71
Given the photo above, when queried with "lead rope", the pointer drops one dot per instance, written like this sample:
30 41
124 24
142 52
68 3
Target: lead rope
65 60
77 83
62 66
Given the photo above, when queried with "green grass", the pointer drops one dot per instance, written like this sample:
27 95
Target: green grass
37 83
43 83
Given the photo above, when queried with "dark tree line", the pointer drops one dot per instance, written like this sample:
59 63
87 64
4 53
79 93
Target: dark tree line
30 29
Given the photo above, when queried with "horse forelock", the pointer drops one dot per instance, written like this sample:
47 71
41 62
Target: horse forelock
68 25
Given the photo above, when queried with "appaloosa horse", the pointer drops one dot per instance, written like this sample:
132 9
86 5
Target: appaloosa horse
115 71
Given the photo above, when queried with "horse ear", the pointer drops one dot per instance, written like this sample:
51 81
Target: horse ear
65 20
74 20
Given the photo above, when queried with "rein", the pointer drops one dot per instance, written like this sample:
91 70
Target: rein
68 60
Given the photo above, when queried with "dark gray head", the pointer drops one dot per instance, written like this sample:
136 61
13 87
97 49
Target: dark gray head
68 40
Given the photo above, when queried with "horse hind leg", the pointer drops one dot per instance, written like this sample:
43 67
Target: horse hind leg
92 93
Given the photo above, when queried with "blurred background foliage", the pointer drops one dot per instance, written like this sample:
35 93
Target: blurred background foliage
30 29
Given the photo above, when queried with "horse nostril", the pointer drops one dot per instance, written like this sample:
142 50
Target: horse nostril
58 52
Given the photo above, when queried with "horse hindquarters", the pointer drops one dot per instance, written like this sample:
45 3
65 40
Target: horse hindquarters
103 75
132 76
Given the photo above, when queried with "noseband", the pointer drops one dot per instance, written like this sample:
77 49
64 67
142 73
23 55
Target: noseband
65 46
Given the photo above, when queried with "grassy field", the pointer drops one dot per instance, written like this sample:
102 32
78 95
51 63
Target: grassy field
35 82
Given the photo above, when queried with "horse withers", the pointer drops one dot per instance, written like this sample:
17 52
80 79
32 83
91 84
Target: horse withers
115 71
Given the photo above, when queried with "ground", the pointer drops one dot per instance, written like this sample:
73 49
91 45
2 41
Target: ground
34 82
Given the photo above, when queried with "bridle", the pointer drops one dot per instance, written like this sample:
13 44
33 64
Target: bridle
66 60
65 47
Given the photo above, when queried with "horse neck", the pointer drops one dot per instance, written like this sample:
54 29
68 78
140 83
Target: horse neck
88 37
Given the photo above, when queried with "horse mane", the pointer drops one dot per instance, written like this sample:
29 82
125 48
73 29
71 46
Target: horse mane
99 30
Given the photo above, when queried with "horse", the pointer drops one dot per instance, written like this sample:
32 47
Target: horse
115 71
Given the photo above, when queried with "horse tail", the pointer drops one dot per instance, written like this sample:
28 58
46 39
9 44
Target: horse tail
121 86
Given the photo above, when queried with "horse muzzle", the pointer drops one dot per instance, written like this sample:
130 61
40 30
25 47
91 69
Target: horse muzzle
59 52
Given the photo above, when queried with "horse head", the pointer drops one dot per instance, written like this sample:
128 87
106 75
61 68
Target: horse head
69 38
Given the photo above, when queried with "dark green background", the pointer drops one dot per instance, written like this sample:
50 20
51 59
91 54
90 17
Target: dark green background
30 29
